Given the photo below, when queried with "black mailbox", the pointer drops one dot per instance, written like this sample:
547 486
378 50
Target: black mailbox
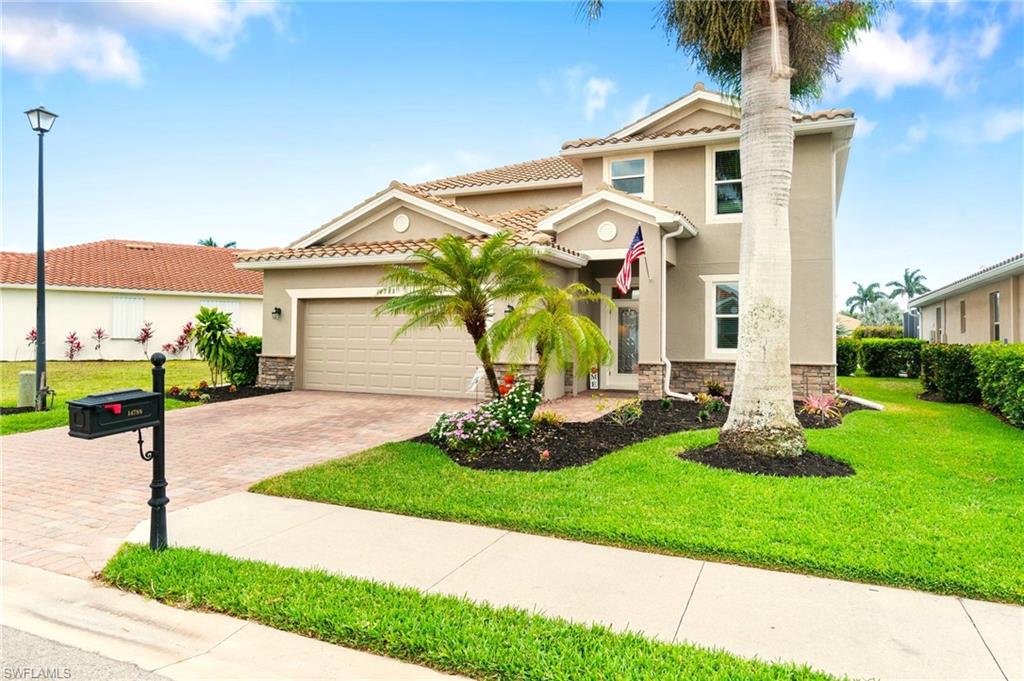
111 413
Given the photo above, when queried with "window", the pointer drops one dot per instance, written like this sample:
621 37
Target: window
230 306
993 313
963 316
727 316
628 175
938 325
728 195
128 313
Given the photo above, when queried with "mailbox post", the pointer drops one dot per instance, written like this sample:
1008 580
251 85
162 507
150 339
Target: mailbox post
124 411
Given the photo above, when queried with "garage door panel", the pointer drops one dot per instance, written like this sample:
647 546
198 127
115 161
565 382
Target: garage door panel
344 347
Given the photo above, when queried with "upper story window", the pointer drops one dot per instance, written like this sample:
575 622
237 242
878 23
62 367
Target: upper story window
993 311
628 175
728 188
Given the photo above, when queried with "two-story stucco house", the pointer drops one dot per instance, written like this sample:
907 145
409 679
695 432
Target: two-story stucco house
675 174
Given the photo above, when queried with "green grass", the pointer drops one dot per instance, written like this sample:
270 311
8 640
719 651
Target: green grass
77 379
446 633
937 502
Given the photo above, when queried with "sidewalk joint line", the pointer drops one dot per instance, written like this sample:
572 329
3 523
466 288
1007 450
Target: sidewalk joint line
689 598
983 641
202 652
463 563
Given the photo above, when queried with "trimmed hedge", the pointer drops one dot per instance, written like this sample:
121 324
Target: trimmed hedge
949 371
1000 371
846 356
891 357
245 362
890 331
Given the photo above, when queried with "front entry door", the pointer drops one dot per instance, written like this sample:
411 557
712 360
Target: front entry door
622 329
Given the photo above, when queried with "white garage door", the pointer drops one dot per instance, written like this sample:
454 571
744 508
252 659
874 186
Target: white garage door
344 347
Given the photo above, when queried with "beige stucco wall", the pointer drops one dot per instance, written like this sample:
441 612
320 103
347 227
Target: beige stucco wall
499 202
381 227
694 119
83 311
978 318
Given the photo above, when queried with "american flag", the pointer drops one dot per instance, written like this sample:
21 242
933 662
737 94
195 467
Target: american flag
633 253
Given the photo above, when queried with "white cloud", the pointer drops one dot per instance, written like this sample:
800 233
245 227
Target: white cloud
596 93
916 134
882 60
50 46
638 109
988 40
865 127
92 38
1000 124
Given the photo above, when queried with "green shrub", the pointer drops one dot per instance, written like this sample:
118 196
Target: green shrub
213 336
1001 378
245 362
889 331
949 371
891 356
846 356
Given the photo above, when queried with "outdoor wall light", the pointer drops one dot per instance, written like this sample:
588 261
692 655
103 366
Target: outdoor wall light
276 313
40 119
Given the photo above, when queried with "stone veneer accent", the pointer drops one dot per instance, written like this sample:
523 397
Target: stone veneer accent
527 371
651 379
276 371
807 378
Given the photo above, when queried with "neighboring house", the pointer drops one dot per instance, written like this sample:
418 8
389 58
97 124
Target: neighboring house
119 286
982 307
849 323
674 173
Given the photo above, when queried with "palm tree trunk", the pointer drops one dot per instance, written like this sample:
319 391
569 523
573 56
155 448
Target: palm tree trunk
542 369
761 418
477 329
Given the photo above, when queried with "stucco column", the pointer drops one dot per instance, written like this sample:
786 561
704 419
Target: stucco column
650 296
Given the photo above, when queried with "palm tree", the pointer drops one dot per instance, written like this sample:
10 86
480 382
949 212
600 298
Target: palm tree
210 241
912 285
864 296
769 52
455 283
546 322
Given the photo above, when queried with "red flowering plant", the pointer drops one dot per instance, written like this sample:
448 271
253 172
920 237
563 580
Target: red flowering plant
74 346
99 335
203 385
32 337
174 391
145 335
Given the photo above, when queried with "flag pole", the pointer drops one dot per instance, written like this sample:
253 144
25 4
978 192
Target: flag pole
646 266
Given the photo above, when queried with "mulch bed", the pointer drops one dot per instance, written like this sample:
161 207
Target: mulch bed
931 396
4 411
579 443
222 394
807 465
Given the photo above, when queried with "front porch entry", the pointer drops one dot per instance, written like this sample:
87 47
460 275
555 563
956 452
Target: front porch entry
621 328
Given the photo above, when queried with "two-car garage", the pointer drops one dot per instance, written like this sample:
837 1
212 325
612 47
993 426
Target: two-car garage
343 346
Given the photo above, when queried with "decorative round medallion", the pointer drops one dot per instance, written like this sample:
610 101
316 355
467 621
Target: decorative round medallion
401 222
606 231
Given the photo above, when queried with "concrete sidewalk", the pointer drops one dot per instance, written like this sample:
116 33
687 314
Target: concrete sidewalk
840 627
87 617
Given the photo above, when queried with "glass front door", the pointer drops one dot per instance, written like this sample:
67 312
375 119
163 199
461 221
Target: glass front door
624 337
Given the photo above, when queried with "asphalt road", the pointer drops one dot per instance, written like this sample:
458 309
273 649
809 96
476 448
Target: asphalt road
24 656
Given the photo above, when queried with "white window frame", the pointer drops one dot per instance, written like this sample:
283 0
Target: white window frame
648 159
711 195
711 281
126 333
995 316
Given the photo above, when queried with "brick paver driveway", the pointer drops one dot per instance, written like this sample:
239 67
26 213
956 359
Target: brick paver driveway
67 504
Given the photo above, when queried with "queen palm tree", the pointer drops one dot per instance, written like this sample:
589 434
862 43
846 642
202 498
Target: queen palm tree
546 322
912 285
210 241
456 282
864 296
769 52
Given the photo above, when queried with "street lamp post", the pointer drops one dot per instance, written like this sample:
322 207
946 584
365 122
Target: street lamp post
41 121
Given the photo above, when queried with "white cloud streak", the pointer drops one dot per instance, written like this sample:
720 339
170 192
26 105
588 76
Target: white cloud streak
596 93
48 47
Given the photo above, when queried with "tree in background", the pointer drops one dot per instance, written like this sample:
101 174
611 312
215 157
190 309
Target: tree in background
455 283
768 52
864 296
547 322
209 241
213 336
882 312
911 285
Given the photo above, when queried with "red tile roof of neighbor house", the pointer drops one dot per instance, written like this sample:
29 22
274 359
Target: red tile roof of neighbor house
136 265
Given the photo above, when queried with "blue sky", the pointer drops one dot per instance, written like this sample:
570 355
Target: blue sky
254 122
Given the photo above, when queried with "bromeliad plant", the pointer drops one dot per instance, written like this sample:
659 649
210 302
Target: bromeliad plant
547 323
822 406
456 282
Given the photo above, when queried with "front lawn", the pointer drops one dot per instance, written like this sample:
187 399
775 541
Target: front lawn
446 633
77 379
937 501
